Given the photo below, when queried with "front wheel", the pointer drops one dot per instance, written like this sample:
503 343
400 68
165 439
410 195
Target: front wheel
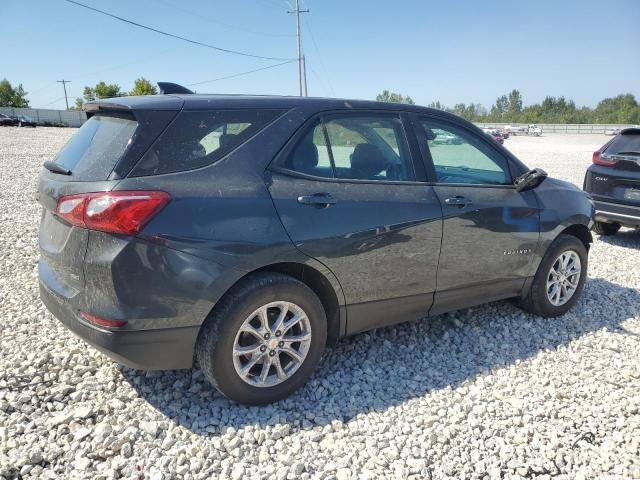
263 340
605 228
559 280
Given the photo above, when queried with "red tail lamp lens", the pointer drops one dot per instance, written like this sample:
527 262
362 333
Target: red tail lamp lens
598 159
123 212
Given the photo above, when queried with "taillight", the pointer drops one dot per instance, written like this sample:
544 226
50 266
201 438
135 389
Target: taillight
598 159
123 212
102 322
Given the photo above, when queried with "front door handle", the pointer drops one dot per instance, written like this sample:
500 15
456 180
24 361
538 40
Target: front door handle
458 201
320 200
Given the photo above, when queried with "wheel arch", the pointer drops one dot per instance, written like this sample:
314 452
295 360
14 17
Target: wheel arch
319 280
322 287
581 232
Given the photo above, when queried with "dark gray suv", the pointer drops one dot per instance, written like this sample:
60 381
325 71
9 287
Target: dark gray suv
249 232
614 182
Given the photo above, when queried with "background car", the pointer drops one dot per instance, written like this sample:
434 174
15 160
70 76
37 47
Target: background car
612 131
496 137
7 121
534 130
614 182
515 129
446 138
25 121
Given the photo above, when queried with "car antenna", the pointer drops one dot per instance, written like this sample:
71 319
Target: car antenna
167 88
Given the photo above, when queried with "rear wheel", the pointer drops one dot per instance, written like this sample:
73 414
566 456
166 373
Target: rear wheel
605 228
263 340
559 280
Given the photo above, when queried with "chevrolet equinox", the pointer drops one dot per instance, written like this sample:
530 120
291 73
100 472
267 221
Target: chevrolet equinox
249 232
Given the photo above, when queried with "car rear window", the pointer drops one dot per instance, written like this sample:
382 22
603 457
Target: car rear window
93 152
625 144
199 138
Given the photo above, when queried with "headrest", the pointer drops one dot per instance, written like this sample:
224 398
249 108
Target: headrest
226 139
367 161
305 156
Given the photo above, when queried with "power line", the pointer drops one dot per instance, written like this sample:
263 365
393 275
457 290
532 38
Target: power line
218 22
301 69
307 24
52 102
241 73
167 34
64 86
138 60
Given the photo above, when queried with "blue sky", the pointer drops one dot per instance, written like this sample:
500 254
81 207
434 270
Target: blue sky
452 51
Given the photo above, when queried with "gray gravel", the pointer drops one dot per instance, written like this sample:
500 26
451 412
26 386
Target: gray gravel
487 392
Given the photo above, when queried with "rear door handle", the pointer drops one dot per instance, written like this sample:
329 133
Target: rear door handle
321 200
458 201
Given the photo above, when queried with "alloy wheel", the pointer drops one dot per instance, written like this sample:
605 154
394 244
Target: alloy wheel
271 344
563 278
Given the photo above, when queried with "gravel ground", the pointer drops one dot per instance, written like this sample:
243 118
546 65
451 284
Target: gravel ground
486 392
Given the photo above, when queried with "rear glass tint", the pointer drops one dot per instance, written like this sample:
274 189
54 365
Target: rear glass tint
199 138
627 144
93 152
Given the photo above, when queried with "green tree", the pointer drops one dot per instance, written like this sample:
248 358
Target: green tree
514 102
392 97
142 86
437 105
620 109
499 109
101 90
12 97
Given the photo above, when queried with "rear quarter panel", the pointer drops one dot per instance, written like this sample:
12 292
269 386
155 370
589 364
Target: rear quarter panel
220 225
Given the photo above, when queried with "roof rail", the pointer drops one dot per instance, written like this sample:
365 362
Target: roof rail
167 87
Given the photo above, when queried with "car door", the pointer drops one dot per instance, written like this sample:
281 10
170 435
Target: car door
490 230
350 195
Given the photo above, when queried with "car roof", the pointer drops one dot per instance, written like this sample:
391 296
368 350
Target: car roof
198 101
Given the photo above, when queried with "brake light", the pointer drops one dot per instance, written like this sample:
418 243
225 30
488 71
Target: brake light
598 159
102 322
123 212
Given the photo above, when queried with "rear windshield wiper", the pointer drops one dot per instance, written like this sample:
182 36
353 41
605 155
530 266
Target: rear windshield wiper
55 168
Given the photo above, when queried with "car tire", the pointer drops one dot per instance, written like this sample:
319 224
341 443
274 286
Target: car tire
226 332
605 228
539 298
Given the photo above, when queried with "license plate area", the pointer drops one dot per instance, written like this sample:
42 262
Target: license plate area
632 194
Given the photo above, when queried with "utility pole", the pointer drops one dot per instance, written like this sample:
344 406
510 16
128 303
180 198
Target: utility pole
302 74
64 85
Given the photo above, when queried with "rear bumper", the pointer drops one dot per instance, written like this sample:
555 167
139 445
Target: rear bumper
614 212
152 349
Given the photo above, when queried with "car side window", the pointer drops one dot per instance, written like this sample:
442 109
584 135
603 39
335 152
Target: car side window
460 156
198 138
359 147
369 147
311 154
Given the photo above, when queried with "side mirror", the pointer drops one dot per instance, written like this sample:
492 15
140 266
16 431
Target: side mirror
530 180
